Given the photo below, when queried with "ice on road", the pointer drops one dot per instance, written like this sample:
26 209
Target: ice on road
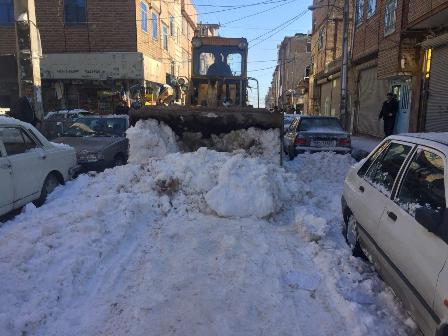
202 243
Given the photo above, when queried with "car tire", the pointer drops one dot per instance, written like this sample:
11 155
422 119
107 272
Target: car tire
50 183
351 236
119 160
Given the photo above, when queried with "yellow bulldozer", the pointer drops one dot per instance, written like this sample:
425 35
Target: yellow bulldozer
217 95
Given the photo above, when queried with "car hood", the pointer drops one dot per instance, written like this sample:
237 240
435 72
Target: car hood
91 144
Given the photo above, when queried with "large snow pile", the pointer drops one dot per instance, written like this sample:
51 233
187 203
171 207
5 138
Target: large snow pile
200 243
149 138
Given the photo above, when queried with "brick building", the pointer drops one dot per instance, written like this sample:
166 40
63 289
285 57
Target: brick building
93 50
288 88
394 43
326 54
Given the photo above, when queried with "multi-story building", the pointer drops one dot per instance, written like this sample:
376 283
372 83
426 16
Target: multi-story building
95 51
326 54
291 74
400 46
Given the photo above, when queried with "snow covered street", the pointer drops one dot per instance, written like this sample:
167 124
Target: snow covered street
201 243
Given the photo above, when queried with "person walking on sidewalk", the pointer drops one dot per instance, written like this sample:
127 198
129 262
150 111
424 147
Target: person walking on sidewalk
388 114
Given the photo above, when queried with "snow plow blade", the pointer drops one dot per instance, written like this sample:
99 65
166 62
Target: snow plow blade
208 121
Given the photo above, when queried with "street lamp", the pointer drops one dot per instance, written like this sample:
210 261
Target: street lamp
344 66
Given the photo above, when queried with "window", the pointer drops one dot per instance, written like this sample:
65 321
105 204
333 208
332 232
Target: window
423 185
385 169
390 17
359 15
75 11
172 27
165 37
235 63
144 16
320 39
308 46
6 13
372 158
371 9
16 141
155 33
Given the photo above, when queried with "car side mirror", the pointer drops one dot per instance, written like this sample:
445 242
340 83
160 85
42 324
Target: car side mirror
429 218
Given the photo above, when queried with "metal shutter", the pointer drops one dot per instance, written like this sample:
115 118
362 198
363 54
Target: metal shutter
372 94
437 112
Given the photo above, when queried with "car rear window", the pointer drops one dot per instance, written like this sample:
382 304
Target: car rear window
316 124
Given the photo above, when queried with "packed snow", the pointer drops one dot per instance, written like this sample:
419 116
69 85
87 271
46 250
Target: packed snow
199 243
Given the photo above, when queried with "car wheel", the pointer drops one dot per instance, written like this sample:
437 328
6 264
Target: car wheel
352 238
119 160
50 184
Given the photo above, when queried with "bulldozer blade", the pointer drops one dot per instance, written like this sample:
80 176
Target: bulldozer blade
208 121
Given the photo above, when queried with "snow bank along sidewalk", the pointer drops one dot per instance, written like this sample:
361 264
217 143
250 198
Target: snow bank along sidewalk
201 243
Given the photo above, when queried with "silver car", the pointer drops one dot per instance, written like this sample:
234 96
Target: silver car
313 134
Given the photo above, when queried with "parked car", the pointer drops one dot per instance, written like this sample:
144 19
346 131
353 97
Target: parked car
313 134
54 122
31 167
394 207
100 141
287 120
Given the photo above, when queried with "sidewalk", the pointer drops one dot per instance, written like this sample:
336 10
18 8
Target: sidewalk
362 145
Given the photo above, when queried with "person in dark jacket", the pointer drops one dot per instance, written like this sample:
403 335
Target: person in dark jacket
388 114
24 109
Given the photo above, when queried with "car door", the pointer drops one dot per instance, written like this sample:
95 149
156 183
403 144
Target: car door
27 162
416 255
376 184
6 181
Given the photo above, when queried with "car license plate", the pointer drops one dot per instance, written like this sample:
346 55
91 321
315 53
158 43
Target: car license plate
323 143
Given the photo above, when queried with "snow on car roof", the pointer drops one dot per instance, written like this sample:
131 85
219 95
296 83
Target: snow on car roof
122 116
13 121
440 137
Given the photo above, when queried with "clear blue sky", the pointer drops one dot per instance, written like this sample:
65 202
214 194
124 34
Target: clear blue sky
263 55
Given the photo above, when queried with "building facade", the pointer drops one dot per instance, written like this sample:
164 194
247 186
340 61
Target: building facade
400 46
95 52
326 55
289 84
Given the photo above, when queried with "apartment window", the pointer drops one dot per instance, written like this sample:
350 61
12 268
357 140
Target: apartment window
165 37
144 16
359 15
75 11
320 39
308 46
371 8
172 28
155 33
390 17
6 13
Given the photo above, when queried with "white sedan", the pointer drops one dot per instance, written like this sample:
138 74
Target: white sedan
30 166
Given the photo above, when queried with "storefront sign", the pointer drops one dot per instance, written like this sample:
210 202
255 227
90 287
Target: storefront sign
93 66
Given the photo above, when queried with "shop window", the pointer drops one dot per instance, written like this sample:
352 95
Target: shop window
390 17
359 15
144 16
6 13
172 27
75 11
371 9
165 37
155 33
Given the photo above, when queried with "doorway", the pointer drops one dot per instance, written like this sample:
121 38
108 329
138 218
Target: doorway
403 94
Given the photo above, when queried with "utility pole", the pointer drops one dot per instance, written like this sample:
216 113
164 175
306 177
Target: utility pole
344 68
28 51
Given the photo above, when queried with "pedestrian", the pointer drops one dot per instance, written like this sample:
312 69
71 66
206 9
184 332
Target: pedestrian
24 109
388 113
122 108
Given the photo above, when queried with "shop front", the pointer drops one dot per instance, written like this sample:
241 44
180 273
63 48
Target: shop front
92 81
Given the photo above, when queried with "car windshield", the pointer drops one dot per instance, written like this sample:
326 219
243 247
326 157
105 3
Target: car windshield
320 124
97 127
